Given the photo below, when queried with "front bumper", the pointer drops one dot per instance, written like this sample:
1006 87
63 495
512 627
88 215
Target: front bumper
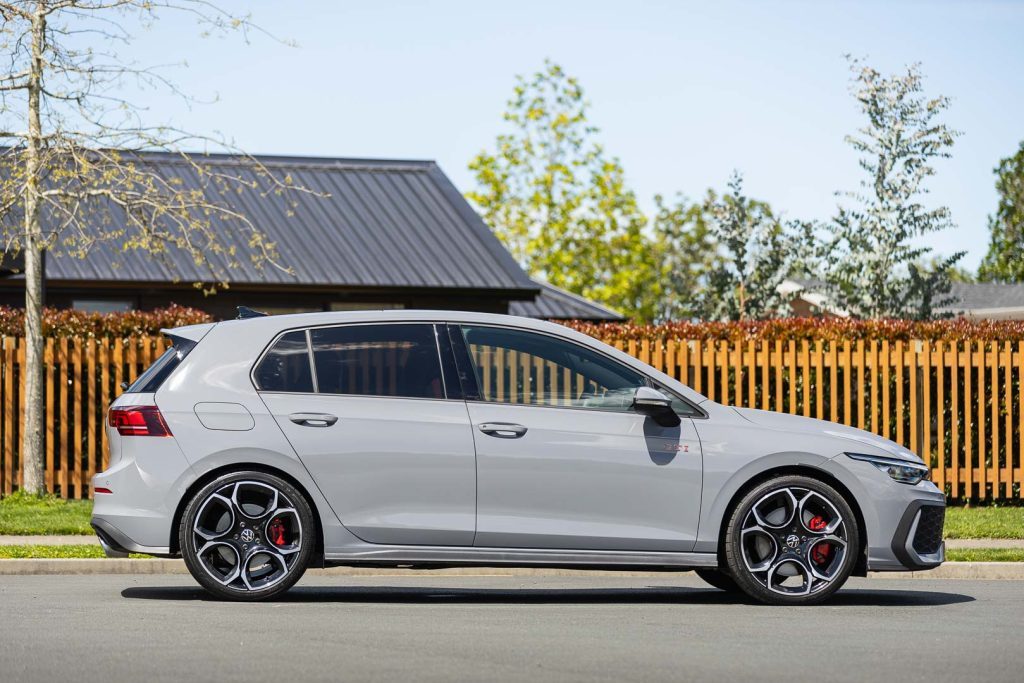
916 543
918 540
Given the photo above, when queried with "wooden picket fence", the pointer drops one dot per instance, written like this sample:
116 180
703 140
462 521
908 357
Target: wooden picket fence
960 405
82 376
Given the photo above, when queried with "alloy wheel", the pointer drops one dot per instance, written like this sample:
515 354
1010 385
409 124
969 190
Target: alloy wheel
247 536
794 541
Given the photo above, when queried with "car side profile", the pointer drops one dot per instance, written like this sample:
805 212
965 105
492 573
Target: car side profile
256 448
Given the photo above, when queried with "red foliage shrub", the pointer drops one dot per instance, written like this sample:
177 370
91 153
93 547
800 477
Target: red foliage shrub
823 329
71 323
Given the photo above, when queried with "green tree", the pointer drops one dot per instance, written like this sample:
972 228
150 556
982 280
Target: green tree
758 253
871 258
1004 261
71 175
685 252
560 204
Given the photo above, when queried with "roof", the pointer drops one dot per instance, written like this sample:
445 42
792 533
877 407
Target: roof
987 299
554 303
974 299
980 295
377 223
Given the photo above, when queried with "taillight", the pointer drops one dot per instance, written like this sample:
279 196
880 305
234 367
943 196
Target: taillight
139 421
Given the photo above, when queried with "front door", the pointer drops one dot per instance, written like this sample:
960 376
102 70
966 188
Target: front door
372 424
563 460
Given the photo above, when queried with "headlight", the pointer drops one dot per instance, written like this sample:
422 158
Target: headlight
900 470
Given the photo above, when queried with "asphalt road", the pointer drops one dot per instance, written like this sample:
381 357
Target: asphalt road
480 628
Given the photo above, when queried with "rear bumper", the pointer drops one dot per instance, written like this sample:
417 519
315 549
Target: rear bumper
116 543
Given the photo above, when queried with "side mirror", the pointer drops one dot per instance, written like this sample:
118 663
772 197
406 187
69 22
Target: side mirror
657 405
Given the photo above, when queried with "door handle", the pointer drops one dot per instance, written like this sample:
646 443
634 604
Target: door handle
313 419
502 430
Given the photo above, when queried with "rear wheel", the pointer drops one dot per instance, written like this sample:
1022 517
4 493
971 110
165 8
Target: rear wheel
247 536
792 540
718 579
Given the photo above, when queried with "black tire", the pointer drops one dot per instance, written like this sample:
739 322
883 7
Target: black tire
254 538
803 530
718 579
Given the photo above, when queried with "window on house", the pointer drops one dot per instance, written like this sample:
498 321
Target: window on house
102 305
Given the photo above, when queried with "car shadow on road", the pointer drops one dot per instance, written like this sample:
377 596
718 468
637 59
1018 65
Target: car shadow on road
569 596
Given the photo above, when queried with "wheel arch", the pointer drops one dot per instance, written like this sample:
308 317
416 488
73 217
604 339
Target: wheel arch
860 569
207 477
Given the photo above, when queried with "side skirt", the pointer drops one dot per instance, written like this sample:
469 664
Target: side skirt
438 556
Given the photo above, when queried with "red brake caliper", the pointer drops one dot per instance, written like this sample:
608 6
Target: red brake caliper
276 531
820 553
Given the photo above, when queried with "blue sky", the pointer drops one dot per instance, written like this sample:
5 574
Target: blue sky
683 92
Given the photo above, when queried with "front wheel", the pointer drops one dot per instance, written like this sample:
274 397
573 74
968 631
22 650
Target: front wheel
247 536
792 540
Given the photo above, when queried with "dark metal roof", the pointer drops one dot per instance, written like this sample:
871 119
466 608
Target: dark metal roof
379 223
554 303
980 296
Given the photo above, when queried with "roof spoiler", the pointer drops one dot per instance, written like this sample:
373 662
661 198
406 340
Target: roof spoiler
244 313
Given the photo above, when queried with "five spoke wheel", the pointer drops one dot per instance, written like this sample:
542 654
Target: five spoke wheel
247 535
793 540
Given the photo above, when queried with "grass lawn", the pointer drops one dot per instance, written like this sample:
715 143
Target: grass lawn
985 555
14 552
27 516
985 522
18 552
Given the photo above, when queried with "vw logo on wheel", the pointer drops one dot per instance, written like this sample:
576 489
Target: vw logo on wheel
792 540
248 535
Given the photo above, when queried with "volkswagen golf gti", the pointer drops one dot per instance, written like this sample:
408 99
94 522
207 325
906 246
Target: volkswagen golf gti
256 448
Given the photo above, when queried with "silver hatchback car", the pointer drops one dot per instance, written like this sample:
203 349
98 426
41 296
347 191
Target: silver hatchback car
258 447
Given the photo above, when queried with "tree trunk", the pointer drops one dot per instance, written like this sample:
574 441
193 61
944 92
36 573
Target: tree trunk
33 244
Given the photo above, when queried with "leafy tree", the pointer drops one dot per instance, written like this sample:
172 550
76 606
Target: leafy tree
71 175
870 260
759 253
1004 261
685 252
560 204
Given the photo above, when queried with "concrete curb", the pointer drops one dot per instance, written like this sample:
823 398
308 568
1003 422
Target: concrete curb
950 570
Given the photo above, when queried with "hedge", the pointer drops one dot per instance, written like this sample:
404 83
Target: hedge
71 323
81 324
813 329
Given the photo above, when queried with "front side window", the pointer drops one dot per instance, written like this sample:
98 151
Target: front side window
398 360
519 367
286 366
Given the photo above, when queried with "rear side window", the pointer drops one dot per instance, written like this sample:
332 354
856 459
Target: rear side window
378 360
150 380
286 366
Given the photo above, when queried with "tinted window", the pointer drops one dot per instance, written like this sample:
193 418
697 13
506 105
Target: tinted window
514 366
378 360
150 380
286 366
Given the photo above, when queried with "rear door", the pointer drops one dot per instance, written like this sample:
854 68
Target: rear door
371 419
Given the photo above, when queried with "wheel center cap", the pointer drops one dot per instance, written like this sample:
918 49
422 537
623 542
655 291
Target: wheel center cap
248 535
792 540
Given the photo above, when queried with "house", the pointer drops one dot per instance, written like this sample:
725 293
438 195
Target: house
971 300
377 234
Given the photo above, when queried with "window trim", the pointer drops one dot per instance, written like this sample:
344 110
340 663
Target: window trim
309 350
462 355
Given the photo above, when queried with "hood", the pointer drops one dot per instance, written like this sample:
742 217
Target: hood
804 425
